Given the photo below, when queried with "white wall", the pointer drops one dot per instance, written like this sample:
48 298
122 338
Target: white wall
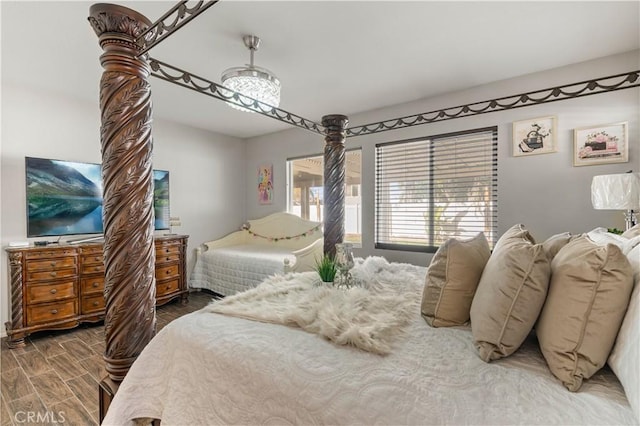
206 169
545 192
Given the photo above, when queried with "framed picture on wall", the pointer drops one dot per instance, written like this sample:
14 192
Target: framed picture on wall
265 184
534 136
603 144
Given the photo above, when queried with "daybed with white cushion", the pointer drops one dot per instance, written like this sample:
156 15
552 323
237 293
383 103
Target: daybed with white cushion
293 351
275 244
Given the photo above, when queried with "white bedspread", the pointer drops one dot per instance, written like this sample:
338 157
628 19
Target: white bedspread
229 270
205 369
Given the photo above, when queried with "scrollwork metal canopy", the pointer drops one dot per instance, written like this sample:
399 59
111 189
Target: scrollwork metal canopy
559 93
183 78
159 31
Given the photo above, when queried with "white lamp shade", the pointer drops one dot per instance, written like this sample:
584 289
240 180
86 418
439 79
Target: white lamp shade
616 192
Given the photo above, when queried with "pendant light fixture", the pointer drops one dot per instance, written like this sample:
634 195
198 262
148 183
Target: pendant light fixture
252 81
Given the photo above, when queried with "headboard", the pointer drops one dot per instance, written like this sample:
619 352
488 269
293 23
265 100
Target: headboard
278 229
283 229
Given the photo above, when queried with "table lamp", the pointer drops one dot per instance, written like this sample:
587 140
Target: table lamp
617 192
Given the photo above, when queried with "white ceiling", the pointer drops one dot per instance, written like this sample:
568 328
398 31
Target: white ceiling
332 57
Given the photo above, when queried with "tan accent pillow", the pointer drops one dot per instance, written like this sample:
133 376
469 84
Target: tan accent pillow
553 244
632 232
510 294
588 296
452 279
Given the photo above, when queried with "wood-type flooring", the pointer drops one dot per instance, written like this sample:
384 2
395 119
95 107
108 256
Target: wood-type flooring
54 379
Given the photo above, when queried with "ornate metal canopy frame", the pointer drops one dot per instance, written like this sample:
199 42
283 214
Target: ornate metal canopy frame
183 78
180 15
126 116
553 94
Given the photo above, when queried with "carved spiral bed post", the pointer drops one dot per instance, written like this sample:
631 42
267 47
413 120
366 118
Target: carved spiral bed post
16 340
125 133
334 166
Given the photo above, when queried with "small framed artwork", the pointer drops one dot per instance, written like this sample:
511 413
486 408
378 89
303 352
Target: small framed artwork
603 144
265 183
535 136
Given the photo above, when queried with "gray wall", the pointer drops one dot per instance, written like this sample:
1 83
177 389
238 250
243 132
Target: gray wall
206 169
544 192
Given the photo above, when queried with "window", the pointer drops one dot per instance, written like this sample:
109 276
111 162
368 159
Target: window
306 188
431 189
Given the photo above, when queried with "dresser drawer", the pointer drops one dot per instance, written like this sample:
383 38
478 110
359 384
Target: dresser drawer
49 253
92 259
167 287
50 292
92 285
92 249
51 264
167 249
167 258
38 314
92 304
92 269
165 272
51 275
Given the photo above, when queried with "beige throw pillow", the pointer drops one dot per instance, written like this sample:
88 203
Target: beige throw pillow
510 294
452 279
553 244
588 296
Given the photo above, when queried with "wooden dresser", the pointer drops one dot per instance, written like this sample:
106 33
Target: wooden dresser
61 286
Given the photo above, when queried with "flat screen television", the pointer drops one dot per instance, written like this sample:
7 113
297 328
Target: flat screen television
65 198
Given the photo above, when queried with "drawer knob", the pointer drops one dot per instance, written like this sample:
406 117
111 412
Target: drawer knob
98 258
96 284
53 274
95 303
168 287
54 311
168 259
167 272
53 263
97 268
167 250
53 291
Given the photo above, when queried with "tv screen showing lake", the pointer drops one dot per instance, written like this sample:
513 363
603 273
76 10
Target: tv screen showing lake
63 198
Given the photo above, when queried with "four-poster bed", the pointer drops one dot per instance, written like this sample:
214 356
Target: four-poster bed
126 37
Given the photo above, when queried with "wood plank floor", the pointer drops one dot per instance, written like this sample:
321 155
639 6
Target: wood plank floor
56 375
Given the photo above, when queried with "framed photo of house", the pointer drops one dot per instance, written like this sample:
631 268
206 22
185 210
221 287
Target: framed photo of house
534 136
608 143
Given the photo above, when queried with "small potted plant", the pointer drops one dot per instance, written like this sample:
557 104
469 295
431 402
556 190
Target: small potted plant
326 268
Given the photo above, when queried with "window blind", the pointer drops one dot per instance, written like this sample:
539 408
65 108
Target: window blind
431 189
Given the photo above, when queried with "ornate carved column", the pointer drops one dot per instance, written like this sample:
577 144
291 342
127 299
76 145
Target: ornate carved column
15 340
125 104
334 164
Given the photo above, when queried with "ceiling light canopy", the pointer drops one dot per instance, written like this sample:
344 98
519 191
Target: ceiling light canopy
252 81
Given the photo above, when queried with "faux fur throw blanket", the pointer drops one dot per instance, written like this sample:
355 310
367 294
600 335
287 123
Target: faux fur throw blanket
369 317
